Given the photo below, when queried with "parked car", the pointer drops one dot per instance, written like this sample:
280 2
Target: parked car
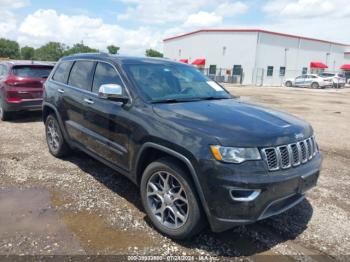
337 79
197 153
308 80
21 86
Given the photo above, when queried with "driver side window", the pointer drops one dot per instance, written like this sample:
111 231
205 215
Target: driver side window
105 74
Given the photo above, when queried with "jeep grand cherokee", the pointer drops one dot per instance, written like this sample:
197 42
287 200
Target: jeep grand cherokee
197 153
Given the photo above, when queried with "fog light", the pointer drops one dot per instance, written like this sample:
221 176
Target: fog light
244 195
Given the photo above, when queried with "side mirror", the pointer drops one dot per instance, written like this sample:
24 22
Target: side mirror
112 92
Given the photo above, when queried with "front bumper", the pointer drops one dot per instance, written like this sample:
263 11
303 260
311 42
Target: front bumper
277 191
24 105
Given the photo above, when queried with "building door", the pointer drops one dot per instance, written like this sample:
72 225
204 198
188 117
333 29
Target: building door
259 76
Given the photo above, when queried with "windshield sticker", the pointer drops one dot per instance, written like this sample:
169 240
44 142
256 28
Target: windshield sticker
215 86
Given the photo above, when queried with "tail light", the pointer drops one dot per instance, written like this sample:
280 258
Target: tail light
11 81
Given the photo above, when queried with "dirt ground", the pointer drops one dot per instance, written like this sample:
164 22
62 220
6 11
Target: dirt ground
79 206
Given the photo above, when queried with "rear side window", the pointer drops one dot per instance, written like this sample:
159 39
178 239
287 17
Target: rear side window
62 72
105 74
32 71
81 75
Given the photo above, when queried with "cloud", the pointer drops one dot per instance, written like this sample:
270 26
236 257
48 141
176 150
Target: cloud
307 8
202 19
47 25
229 9
13 4
160 11
324 19
8 20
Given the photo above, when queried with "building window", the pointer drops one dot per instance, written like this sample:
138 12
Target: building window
212 70
237 70
282 71
270 71
304 72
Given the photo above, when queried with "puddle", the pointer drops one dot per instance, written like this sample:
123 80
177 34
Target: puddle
96 236
30 225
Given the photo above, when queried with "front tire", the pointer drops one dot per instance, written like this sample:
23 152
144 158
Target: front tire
170 200
57 145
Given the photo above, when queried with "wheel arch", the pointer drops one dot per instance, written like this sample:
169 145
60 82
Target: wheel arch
151 151
47 110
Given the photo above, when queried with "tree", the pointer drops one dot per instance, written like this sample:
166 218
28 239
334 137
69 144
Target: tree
153 53
112 49
80 48
52 51
9 48
27 53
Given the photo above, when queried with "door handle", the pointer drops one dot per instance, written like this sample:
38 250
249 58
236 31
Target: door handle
60 90
89 101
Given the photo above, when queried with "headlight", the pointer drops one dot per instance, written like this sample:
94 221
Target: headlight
235 154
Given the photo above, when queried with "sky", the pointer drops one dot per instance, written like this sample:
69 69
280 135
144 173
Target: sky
136 25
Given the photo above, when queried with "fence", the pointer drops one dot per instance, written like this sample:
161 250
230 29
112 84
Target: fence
256 76
224 75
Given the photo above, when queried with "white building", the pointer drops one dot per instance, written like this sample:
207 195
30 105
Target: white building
254 56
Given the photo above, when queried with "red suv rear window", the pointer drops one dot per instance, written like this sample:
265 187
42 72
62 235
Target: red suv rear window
32 71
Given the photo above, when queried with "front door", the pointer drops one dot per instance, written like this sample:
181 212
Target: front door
106 120
300 80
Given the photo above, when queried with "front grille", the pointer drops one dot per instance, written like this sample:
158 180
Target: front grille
291 155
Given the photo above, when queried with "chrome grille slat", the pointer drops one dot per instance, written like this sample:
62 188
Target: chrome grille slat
291 155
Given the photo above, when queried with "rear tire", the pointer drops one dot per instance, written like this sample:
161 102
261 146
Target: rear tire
170 201
289 84
57 145
315 85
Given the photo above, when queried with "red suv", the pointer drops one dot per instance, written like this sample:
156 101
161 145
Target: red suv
21 86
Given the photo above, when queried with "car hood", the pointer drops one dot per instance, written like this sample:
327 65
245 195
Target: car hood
235 123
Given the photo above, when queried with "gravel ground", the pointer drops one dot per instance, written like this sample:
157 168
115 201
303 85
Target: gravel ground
79 206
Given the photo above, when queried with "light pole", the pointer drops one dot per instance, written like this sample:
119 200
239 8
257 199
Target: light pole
327 56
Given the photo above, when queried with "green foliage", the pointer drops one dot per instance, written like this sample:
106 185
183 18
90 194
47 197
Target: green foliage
9 48
80 48
153 53
112 49
52 51
27 53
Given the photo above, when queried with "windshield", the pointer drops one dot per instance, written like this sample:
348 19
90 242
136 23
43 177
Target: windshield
162 83
32 71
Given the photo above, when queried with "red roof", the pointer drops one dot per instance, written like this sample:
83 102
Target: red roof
200 61
318 65
345 67
253 31
184 61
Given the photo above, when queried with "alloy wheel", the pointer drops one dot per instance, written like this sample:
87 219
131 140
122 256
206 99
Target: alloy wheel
167 200
52 135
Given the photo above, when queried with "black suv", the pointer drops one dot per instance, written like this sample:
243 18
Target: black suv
197 153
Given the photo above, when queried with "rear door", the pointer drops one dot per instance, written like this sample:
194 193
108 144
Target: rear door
107 121
73 100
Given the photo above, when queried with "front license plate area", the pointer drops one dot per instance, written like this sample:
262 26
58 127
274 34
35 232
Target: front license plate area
307 182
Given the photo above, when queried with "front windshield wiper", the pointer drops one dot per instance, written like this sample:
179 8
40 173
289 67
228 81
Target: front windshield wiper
174 100
213 98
